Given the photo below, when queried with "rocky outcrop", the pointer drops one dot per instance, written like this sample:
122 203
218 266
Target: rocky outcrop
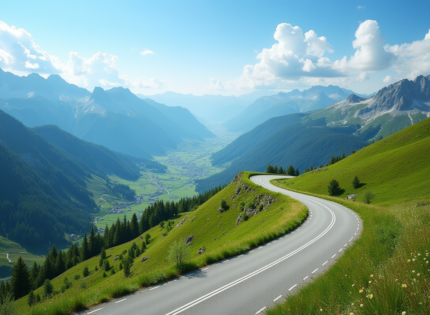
188 239
355 99
116 258
201 250
261 202
181 222
144 259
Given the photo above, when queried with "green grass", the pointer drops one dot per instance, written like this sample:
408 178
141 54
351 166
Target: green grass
214 231
393 249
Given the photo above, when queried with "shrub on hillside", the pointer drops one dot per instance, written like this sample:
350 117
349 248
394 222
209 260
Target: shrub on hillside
333 188
368 196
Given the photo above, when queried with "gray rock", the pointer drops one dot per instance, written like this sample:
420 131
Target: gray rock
201 250
144 259
116 258
181 222
188 239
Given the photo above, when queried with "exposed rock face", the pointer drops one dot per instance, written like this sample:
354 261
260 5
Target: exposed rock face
239 219
116 258
261 202
355 99
181 222
144 259
402 96
188 239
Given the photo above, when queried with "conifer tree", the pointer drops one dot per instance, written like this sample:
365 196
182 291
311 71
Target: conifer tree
281 170
297 172
85 250
30 299
333 188
134 226
290 171
48 289
269 169
275 169
21 282
92 246
103 254
355 182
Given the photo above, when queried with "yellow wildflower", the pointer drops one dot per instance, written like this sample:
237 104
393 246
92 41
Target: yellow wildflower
404 285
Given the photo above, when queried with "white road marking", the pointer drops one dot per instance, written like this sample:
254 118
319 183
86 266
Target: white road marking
94 311
350 239
120 301
261 310
340 250
277 298
206 268
333 256
252 274
315 270
292 287
325 263
305 278
154 288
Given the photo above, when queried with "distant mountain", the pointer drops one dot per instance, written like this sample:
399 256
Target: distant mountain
116 118
390 110
283 141
211 108
44 174
53 88
286 103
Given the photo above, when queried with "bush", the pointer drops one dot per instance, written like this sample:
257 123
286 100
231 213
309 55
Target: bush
223 205
48 289
104 274
179 253
368 196
77 277
83 285
85 272
245 216
147 238
8 307
106 265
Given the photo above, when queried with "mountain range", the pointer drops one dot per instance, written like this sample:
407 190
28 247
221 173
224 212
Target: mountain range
209 108
45 173
296 101
114 118
311 138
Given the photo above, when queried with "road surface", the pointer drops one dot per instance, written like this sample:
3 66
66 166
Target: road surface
249 283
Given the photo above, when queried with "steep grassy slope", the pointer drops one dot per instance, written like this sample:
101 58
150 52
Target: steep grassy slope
214 231
395 169
386 271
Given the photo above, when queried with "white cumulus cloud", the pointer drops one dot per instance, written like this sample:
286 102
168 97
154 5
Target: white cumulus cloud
19 52
146 52
215 84
387 79
152 83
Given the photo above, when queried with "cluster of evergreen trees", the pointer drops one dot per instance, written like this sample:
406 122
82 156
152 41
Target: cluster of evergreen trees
275 170
56 262
335 159
123 191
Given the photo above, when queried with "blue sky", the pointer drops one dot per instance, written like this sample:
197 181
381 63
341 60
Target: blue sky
202 47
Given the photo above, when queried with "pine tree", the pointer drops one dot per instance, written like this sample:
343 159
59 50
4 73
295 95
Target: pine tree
333 188
92 246
297 172
269 169
355 182
30 299
134 226
275 169
103 254
85 251
290 171
21 282
281 170
48 289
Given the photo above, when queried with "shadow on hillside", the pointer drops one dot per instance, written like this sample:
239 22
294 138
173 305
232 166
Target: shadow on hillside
361 185
339 192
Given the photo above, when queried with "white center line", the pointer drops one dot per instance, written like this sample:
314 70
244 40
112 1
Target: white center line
315 270
305 278
292 287
94 311
277 298
154 288
120 301
340 250
325 263
333 256
261 310
350 239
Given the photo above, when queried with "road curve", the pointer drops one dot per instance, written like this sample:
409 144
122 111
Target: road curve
249 283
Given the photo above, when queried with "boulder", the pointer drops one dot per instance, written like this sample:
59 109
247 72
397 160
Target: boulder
116 258
188 239
144 259
181 222
201 250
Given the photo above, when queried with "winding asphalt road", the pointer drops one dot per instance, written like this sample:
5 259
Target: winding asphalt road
249 283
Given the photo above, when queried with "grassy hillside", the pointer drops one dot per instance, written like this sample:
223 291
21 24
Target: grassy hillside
386 271
214 231
395 169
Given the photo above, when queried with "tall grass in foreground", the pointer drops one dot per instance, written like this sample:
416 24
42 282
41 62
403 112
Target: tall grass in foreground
386 271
